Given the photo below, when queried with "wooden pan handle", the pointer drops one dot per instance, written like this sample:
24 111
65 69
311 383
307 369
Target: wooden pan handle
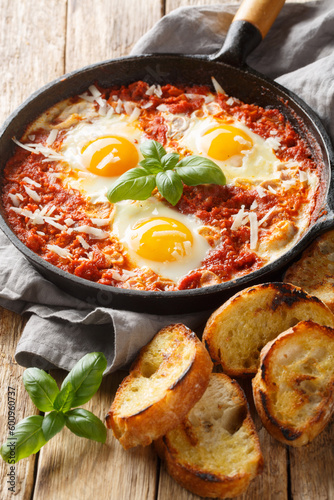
260 13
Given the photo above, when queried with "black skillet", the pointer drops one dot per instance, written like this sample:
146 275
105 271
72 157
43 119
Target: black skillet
228 66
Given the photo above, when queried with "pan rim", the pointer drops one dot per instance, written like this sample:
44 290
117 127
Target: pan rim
148 295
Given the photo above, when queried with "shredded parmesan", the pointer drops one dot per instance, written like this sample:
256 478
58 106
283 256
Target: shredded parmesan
119 107
134 115
268 214
99 222
261 191
92 231
254 205
62 252
253 230
94 91
238 218
31 181
273 142
162 107
52 137
303 176
83 242
218 88
49 153
33 195
15 200
271 189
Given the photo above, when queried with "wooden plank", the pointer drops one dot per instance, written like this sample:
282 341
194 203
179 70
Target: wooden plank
31 48
272 484
31 33
106 29
77 468
11 326
312 468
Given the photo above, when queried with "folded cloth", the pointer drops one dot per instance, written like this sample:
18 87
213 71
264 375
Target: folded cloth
298 53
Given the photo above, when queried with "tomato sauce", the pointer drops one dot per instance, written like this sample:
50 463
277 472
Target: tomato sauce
215 206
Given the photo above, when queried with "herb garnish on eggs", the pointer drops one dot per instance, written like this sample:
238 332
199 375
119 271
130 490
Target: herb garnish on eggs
166 172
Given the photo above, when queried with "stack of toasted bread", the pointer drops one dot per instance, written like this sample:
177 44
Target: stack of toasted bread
198 420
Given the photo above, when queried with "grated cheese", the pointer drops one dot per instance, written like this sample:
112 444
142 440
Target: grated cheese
218 88
52 137
238 218
92 231
83 242
15 200
261 192
268 214
33 195
62 252
253 230
31 181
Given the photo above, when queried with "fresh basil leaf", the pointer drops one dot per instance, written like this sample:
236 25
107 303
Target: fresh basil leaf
52 424
195 170
135 184
151 165
170 160
28 439
170 186
41 387
86 377
152 149
64 399
85 424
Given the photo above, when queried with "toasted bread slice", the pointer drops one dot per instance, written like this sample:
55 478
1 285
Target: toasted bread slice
237 331
215 451
314 272
168 377
294 386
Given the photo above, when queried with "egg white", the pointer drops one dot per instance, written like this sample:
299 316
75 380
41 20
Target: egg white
94 186
128 213
259 162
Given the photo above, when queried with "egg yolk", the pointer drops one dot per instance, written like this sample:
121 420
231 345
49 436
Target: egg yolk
110 156
161 239
225 141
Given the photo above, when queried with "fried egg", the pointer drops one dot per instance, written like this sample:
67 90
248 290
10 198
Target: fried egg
99 152
238 151
158 237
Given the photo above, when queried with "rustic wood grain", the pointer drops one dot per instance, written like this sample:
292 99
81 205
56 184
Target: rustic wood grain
312 468
11 325
76 468
106 29
39 41
32 44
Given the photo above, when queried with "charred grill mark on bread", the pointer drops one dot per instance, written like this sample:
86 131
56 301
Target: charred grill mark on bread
237 331
294 386
167 378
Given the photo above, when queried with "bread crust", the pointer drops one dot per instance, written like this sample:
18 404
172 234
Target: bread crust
237 331
314 271
179 448
167 378
300 363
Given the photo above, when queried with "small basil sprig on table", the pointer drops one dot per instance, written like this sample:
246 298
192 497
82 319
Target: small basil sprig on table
78 387
166 172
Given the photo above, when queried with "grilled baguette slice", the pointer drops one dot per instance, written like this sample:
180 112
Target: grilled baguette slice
215 451
167 378
240 328
314 272
294 386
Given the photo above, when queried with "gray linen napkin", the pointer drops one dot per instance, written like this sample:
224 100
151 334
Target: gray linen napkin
298 53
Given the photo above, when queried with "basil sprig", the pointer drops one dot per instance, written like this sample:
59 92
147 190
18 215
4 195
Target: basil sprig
79 386
166 172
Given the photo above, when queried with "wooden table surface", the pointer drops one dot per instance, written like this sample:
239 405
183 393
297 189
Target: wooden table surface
41 40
